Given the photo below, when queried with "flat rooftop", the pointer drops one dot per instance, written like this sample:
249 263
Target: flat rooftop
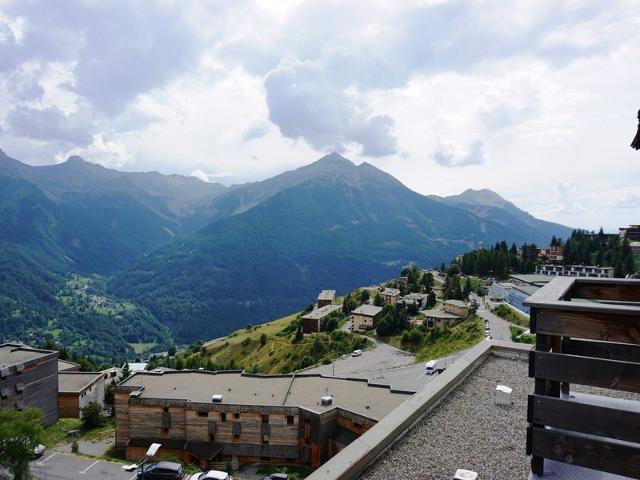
322 312
75 382
532 278
367 310
67 365
269 390
468 430
13 354
327 295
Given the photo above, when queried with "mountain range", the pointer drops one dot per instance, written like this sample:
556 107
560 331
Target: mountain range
205 259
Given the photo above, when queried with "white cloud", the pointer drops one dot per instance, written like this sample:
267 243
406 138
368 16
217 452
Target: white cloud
452 154
109 154
254 88
200 175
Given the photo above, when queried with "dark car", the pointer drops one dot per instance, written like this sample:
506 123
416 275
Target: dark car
161 471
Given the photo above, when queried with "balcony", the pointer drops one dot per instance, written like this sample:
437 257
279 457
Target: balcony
584 414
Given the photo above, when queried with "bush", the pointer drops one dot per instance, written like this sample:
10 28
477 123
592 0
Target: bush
92 415
263 339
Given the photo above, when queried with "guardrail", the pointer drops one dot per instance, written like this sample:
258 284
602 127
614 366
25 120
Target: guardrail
588 333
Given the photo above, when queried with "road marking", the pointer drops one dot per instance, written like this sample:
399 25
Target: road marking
134 476
419 375
85 470
42 461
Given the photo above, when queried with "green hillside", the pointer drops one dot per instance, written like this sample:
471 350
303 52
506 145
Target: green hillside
39 301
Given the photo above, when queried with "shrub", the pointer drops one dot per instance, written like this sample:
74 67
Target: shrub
92 415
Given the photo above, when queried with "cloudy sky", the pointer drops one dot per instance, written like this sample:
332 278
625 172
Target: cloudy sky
536 101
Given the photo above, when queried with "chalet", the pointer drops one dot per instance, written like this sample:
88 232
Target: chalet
365 317
311 321
76 390
456 307
418 299
209 418
439 318
390 295
29 378
326 297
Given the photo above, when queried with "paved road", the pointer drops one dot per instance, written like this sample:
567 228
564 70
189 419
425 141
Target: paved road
62 466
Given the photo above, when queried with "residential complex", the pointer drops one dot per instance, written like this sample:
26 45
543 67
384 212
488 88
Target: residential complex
77 389
365 317
326 297
208 417
29 378
591 271
312 321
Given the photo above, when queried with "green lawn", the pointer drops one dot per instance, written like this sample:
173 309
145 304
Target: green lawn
441 342
57 433
507 313
519 337
140 348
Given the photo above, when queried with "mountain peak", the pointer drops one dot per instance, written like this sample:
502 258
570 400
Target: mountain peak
483 196
336 159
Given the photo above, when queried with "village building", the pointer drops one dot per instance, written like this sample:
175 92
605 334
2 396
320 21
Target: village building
365 317
326 297
418 299
439 318
390 295
457 307
311 322
67 366
29 378
209 418
76 390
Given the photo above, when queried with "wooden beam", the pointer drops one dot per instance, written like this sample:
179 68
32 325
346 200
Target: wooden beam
596 372
589 452
592 325
584 417
612 351
618 290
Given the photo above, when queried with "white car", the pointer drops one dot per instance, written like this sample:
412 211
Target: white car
210 475
356 353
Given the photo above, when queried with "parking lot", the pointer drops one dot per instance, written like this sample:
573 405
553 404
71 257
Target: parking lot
62 466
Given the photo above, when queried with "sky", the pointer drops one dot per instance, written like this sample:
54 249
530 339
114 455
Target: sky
536 100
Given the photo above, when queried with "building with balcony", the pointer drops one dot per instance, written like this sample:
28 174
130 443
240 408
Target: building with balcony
312 321
590 271
29 378
211 417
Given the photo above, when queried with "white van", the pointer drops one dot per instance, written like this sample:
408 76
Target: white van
431 367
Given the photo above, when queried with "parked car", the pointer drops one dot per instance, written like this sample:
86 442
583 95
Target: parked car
39 450
210 475
161 471
356 353
277 476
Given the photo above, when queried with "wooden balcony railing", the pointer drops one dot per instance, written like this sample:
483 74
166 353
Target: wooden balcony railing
588 333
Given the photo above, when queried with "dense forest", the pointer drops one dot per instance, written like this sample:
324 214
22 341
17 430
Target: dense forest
581 248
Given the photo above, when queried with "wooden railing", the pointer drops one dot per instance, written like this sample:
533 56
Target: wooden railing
588 333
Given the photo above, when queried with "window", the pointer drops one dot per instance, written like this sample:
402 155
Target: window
223 417
212 437
265 418
236 415
203 414
289 419
165 409
265 440
165 430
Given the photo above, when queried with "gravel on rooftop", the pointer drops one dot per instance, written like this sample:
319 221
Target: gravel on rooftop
467 430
